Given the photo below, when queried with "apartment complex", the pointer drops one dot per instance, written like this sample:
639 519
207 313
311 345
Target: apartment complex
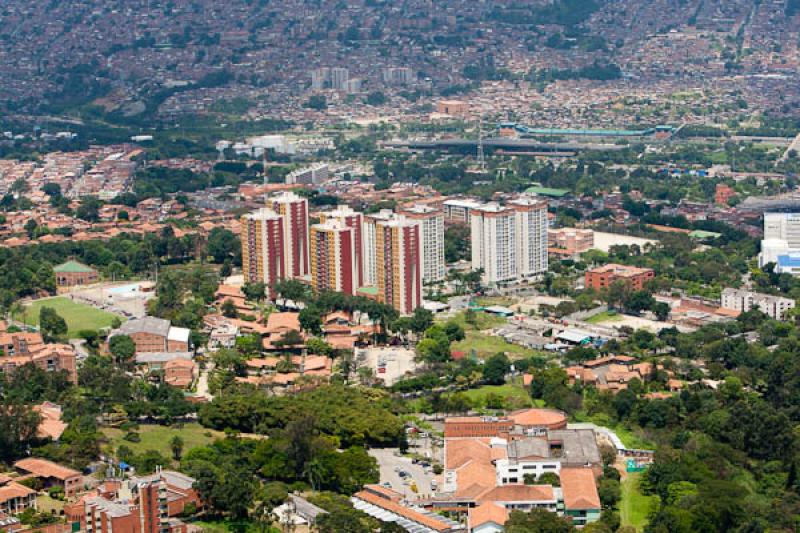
604 276
21 348
742 300
370 239
509 242
313 175
531 221
431 226
569 242
263 247
294 211
398 264
333 257
355 220
149 504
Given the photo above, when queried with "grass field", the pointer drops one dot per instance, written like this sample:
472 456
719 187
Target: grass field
605 316
77 315
488 345
482 321
478 396
634 506
154 437
227 526
488 301
628 437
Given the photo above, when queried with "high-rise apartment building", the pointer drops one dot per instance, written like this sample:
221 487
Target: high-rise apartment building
369 248
399 269
294 211
781 238
431 225
494 243
532 235
354 220
509 242
339 78
263 256
397 75
333 257
320 78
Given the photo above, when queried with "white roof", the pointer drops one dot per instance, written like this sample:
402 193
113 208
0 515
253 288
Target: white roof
178 334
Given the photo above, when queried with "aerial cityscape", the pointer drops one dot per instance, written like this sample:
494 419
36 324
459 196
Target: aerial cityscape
315 266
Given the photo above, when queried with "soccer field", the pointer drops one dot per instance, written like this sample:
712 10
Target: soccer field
77 315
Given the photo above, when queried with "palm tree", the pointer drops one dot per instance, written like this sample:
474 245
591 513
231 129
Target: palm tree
314 471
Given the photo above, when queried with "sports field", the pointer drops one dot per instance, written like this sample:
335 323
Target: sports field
77 315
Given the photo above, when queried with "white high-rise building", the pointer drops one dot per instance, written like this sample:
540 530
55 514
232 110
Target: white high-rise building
369 244
494 243
784 226
431 222
320 78
339 77
781 237
532 232
510 242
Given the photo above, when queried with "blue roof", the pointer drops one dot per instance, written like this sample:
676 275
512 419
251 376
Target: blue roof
791 260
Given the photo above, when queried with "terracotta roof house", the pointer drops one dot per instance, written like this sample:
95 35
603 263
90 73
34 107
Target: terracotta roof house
579 489
14 497
51 474
488 517
51 426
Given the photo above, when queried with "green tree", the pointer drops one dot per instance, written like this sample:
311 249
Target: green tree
228 309
122 348
51 324
537 521
176 445
254 291
18 426
496 368
421 320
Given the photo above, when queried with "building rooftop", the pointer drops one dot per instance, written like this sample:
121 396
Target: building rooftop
45 468
148 324
579 489
73 267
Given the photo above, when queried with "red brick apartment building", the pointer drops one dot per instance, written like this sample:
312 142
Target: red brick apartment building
602 277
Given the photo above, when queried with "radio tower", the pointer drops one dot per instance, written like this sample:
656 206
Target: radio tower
481 158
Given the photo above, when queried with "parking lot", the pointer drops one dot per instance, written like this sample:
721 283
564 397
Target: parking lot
396 362
390 466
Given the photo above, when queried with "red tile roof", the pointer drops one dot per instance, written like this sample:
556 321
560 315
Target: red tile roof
579 488
45 468
487 513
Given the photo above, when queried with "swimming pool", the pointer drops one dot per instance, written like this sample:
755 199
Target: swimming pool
124 289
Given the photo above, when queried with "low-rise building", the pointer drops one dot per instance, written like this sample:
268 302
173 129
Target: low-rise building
51 474
15 497
604 276
742 300
155 335
73 273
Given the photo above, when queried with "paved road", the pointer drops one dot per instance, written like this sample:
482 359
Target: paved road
202 382
387 462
